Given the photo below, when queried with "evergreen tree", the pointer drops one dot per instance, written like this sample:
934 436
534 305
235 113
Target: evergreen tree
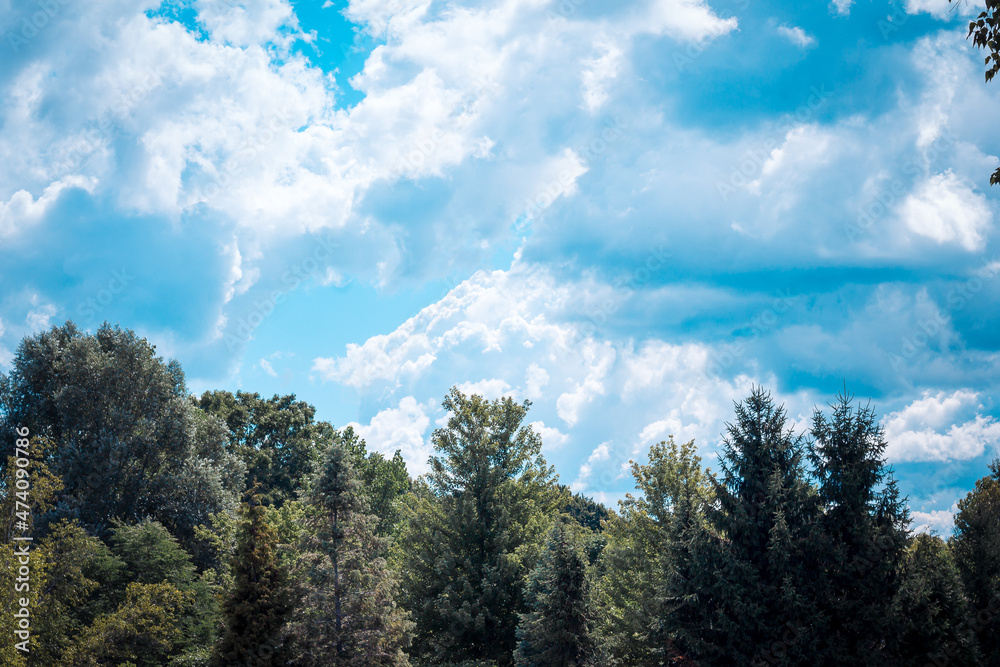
346 614
931 624
474 531
385 481
745 592
555 631
864 533
256 610
976 546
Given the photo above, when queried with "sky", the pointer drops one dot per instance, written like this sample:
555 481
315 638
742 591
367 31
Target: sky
628 213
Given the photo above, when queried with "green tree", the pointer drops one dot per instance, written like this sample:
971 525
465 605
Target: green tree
278 439
976 547
142 632
126 441
385 481
931 620
151 555
864 533
474 531
748 599
346 613
256 610
646 556
556 629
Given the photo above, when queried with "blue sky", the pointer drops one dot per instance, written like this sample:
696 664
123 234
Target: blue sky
626 212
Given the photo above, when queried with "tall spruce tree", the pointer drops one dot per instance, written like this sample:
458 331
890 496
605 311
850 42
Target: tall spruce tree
864 534
931 624
747 596
976 546
256 611
346 613
474 530
556 629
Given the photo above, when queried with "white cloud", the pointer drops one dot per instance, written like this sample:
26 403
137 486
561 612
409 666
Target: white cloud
597 74
535 379
936 522
552 438
945 208
400 428
937 427
490 389
267 367
841 7
944 9
796 35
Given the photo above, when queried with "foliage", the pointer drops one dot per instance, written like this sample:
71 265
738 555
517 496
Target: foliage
474 531
976 547
930 616
143 631
277 439
863 535
346 612
255 611
385 481
556 629
126 443
632 571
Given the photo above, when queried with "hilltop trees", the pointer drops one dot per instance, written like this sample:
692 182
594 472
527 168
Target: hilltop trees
474 532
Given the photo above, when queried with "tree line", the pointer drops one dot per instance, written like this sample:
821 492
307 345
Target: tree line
234 530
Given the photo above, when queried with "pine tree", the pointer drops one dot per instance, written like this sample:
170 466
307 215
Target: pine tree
976 546
865 528
931 620
555 632
255 612
346 613
474 531
745 596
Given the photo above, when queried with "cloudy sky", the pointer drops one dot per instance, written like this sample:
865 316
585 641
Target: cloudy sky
627 212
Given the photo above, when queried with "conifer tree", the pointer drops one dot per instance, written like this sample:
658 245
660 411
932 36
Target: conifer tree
346 613
976 546
930 616
474 531
746 599
556 629
864 533
255 612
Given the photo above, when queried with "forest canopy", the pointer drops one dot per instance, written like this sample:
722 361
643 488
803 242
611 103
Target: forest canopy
233 529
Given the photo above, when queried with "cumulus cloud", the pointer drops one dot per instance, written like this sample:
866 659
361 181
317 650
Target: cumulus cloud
946 209
937 427
403 428
796 35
